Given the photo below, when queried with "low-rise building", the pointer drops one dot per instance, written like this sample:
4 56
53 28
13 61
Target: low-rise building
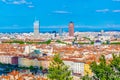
78 67
27 62
7 59
87 70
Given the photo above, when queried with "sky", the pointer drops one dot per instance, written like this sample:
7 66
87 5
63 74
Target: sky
88 15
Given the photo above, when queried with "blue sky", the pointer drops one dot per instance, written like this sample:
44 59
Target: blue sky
88 14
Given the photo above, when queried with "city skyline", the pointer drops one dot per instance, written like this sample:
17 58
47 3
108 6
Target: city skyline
59 39
88 15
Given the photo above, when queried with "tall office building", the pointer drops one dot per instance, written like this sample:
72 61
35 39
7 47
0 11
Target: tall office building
60 31
36 29
71 29
102 32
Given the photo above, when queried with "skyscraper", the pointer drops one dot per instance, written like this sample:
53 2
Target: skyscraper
60 31
71 29
36 29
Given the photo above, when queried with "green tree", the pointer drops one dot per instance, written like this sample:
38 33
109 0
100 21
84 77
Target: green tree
48 42
31 68
86 77
58 41
115 64
104 71
92 42
41 68
58 70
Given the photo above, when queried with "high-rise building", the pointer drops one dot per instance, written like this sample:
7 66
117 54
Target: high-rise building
60 31
102 32
71 29
36 29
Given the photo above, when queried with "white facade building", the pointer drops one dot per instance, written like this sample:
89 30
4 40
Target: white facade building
36 29
7 59
78 67
29 49
75 66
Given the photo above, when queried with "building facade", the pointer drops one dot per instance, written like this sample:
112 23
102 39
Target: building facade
36 29
75 66
27 62
7 59
78 68
71 29
87 70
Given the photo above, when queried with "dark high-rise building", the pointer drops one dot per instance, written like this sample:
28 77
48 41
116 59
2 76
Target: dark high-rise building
71 29
55 33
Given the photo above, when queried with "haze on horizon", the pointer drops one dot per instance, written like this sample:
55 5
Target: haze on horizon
88 14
